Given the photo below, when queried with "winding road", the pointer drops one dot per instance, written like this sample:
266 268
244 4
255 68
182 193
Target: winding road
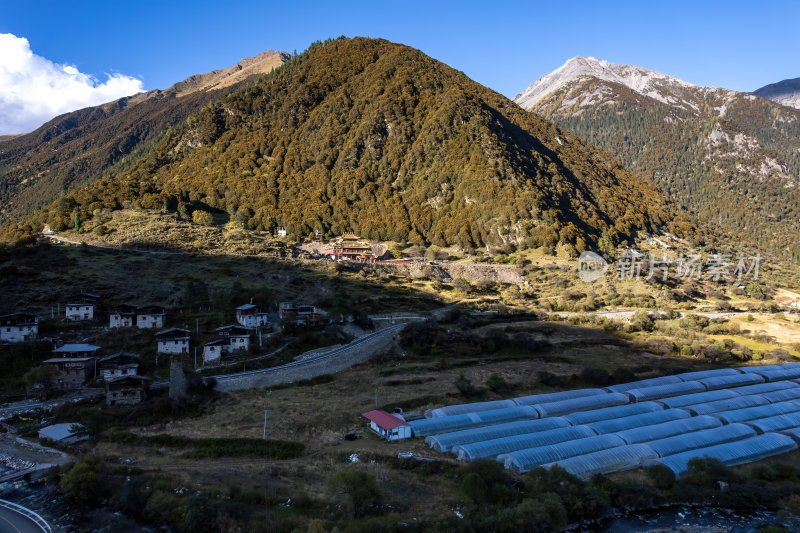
17 519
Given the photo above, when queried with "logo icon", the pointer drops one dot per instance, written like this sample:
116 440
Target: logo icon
591 267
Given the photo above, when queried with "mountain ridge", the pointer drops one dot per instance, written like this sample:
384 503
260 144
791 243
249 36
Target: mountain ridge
785 92
77 147
731 157
376 138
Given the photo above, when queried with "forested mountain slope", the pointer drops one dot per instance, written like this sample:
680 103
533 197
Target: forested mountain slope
731 158
76 148
366 136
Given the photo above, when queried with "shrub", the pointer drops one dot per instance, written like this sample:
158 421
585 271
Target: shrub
641 321
498 385
82 484
202 218
661 476
164 508
781 356
465 386
474 488
360 487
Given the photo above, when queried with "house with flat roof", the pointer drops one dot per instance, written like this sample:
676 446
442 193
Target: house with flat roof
74 365
251 316
173 341
67 433
126 390
118 365
230 339
302 315
151 316
78 311
83 307
19 327
122 316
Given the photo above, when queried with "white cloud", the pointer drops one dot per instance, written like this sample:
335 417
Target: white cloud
34 89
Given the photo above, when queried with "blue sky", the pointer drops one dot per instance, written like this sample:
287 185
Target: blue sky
504 45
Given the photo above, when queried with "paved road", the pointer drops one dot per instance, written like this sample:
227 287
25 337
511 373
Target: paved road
12 521
25 407
627 315
316 359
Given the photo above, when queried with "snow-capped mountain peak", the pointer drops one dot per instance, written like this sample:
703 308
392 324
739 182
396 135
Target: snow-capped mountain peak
641 80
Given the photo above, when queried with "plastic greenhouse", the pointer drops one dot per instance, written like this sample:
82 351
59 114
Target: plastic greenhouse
493 448
608 413
776 423
552 397
766 387
740 402
431 426
778 374
446 441
666 380
668 429
781 395
582 404
637 421
753 413
699 397
732 453
611 460
665 391
703 374
701 439
735 415
794 433
460 409
524 460
734 380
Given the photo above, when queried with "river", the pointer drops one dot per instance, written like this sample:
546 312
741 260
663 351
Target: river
696 520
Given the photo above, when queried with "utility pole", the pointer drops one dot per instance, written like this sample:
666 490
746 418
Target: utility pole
376 398
265 424
195 357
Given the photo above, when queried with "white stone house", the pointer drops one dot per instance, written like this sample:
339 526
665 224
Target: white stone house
212 351
123 316
119 365
237 337
230 339
83 307
173 341
80 311
250 316
19 327
152 316
281 232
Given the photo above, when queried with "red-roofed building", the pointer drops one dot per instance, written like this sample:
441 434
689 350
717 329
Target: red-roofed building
388 426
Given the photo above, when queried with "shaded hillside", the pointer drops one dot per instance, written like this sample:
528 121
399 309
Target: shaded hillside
76 148
731 158
786 92
366 136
